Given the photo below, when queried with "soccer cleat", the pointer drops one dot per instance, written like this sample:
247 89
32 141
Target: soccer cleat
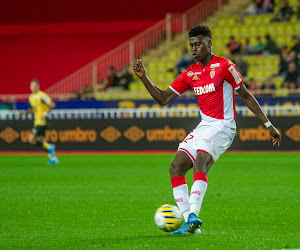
193 224
51 150
53 160
182 230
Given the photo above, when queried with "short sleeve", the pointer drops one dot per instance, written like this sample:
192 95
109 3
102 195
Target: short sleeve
232 75
180 85
46 99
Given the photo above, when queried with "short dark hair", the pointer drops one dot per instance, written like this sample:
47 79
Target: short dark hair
200 30
36 81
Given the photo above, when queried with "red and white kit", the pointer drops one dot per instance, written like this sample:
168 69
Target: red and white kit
214 86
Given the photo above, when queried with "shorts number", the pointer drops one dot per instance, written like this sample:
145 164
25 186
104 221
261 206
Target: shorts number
191 137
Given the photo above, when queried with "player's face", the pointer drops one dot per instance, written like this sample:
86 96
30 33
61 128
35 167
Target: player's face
200 47
34 87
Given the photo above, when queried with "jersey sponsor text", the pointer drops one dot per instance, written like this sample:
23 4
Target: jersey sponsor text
205 89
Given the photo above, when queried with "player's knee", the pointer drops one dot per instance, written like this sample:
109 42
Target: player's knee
175 170
202 168
203 162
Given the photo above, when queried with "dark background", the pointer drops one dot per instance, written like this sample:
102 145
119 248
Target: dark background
51 11
122 143
50 40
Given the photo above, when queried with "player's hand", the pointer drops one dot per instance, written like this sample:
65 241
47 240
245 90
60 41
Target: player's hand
276 136
43 117
139 68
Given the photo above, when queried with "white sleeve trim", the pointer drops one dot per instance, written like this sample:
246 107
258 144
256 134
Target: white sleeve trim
174 90
46 100
237 87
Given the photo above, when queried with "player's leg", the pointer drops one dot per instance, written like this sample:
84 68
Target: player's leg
32 139
201 167
38 140
51 150
38 133
36 137
211 143
178 168
180 165
41 142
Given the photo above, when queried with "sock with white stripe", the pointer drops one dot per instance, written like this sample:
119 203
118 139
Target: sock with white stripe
197 192
181 195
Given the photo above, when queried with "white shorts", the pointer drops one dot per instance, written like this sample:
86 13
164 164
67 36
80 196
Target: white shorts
210 137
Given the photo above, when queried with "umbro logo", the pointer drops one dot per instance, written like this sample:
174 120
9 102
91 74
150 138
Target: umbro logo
206 141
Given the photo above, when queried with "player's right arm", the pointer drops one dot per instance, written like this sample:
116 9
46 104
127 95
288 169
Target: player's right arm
163 97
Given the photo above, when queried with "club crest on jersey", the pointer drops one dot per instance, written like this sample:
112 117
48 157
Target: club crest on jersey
195 78
212 73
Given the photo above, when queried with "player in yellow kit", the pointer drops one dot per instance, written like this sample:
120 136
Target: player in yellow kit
40 105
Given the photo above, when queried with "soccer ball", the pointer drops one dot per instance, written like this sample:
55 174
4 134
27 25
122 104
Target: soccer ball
168 218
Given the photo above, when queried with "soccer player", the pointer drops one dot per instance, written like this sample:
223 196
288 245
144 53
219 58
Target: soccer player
40 105
213 80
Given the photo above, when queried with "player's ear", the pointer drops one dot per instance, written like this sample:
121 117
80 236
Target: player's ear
209 43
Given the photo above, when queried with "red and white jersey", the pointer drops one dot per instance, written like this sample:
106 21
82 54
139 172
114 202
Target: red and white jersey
214 86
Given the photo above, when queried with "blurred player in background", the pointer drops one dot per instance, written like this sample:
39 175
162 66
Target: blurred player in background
213 80
40 105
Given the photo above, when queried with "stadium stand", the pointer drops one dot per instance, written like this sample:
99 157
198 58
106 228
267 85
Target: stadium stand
160 47
261 66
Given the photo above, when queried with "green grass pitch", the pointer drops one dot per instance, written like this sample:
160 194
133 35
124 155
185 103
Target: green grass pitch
108 201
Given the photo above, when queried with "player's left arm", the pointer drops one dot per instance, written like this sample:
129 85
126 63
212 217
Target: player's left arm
254 106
